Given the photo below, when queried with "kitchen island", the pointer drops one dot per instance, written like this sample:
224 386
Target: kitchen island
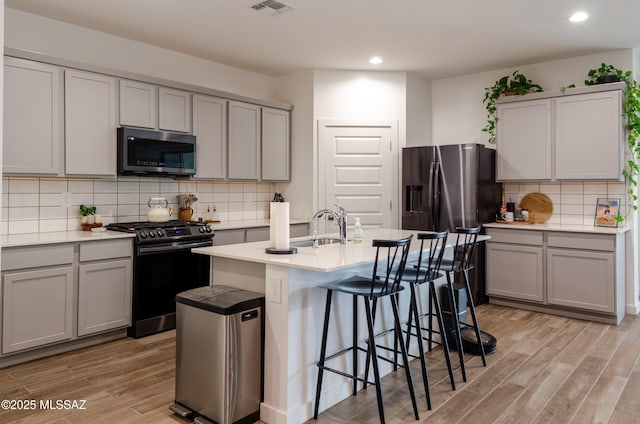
294 311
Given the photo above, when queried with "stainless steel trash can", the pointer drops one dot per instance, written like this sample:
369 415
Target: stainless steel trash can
219 354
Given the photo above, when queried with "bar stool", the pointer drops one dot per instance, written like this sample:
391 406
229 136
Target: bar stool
385 283
466 241
427 270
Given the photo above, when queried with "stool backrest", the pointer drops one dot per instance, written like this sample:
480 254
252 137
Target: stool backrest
466 241
397 252
432 259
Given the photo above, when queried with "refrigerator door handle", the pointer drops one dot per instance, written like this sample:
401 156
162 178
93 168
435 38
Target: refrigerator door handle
431 197
436 197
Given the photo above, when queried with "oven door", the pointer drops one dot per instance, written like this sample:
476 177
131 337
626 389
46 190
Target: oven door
161 272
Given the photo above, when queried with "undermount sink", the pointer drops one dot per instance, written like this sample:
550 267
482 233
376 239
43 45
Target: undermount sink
309 242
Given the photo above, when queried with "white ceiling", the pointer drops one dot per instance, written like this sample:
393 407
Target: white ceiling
435 38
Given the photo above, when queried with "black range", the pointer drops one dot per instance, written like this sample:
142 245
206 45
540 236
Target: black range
164 266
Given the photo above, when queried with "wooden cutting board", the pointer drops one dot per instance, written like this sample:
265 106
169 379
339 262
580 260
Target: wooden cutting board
539 205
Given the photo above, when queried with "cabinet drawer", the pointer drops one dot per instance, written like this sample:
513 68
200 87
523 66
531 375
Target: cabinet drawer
36 256
498 235
603 242
258 234
223 237
108 249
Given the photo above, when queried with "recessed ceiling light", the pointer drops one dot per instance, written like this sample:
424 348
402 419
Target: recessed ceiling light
579 17
375 60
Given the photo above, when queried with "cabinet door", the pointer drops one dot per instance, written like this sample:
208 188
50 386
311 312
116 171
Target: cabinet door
515 271
90 124
174 109
244 141
523 137
104 296
32 117
138 104
581 279
588 136
275 144
37 308
210 129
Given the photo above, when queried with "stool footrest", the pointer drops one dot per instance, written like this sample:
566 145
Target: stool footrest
345 374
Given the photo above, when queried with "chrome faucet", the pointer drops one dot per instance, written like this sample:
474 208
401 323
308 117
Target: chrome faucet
339 214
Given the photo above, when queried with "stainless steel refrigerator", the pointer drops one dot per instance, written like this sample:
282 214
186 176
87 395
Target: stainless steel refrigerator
451 186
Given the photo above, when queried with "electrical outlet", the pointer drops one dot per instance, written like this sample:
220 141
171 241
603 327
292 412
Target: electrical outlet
65 199
275 290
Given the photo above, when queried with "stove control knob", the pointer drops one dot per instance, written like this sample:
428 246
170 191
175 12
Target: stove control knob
201 229
160 233
207 228
143 234
152 234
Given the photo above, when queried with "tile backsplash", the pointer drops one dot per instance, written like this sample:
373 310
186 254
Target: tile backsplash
573 202
31 205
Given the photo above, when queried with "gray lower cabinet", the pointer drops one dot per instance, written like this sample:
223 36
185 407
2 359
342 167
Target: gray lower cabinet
37 307
104 296
573 274
59 292
247 235
104 286
515 271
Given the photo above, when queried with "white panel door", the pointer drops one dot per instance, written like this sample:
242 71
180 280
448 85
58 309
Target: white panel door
358 170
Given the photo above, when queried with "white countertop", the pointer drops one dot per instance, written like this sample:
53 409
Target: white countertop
325 258
250 223
559 227
16 240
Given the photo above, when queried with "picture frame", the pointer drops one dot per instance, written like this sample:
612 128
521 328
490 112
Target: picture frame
607 210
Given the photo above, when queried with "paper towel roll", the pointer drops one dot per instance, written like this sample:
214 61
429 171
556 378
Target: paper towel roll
279 225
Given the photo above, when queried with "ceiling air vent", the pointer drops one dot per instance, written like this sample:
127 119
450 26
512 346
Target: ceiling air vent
271 7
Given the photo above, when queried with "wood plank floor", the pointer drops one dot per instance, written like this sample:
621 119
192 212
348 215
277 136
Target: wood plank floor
547 369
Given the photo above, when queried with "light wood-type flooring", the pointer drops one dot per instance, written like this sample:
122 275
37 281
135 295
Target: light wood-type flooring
547 369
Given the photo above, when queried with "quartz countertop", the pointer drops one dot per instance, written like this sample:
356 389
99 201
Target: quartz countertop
30 239
325 258
559 227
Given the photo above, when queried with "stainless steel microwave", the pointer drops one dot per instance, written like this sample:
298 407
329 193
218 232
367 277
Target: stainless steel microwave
155 153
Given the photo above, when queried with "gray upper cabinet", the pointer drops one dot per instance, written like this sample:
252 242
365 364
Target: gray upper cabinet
210 129
138 104
523 141
174 110
244 141
90 124
576 135
589 136
32 133
275 144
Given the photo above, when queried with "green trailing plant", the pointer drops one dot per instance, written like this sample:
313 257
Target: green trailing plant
631 108
87 210
514 84
604 74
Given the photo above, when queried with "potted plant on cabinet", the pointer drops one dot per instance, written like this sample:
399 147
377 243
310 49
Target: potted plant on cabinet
88 217
514 84
631 106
